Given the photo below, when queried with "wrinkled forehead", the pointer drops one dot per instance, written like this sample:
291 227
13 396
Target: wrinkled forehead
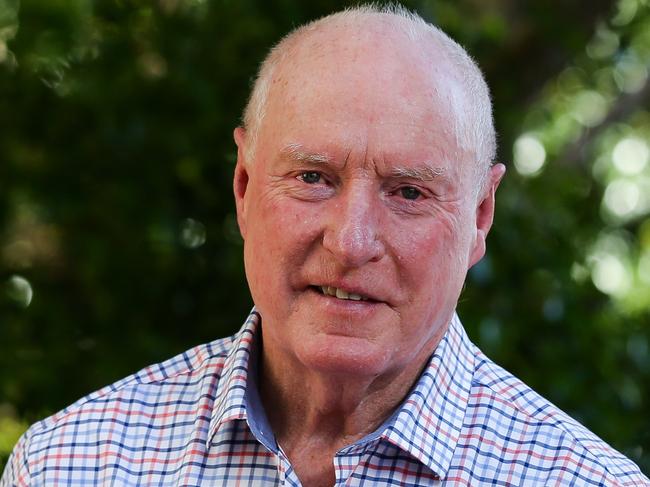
376 82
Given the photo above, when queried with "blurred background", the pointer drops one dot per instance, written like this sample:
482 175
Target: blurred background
118 240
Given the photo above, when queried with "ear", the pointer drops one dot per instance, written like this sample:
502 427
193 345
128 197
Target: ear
240 180
485 212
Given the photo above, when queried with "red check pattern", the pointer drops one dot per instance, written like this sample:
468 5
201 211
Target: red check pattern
192 421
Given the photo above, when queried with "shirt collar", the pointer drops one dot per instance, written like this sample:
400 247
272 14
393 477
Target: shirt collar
230 395
429 422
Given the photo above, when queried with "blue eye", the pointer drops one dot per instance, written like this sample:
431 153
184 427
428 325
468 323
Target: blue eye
310 177
410 193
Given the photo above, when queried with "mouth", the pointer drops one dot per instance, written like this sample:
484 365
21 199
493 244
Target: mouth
339 293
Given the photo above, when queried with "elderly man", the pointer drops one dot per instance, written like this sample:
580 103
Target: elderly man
365 191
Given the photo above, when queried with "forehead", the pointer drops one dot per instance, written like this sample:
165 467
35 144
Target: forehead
374 90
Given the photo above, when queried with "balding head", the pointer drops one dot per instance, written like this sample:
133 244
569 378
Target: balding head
369 33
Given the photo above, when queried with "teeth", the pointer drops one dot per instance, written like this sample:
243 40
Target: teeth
341 294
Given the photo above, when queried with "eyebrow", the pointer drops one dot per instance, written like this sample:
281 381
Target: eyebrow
422 172
296 153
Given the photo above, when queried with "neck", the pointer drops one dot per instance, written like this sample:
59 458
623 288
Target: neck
314 413
337 409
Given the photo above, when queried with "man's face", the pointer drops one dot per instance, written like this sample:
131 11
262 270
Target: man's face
359 213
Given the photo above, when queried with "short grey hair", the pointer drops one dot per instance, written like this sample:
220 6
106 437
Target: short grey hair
473 122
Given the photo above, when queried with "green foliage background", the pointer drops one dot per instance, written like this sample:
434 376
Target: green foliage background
118 242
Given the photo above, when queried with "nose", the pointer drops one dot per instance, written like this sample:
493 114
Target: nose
353 231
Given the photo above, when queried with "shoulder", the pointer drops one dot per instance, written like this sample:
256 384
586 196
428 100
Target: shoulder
516 423
169 380
162 397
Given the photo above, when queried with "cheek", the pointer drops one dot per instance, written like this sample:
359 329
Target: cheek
431 258
279 233
421 243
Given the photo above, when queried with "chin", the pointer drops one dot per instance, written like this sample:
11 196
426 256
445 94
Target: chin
352 356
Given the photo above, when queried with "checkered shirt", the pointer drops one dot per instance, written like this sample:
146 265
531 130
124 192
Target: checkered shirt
196 419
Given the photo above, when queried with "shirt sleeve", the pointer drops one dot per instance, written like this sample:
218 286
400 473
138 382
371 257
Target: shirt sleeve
16 473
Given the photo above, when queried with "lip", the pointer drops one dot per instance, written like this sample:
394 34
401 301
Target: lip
369 295
342 307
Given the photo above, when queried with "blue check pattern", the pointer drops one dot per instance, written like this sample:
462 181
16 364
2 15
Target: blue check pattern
196 420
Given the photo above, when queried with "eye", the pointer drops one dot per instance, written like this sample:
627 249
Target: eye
410 193
310 177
